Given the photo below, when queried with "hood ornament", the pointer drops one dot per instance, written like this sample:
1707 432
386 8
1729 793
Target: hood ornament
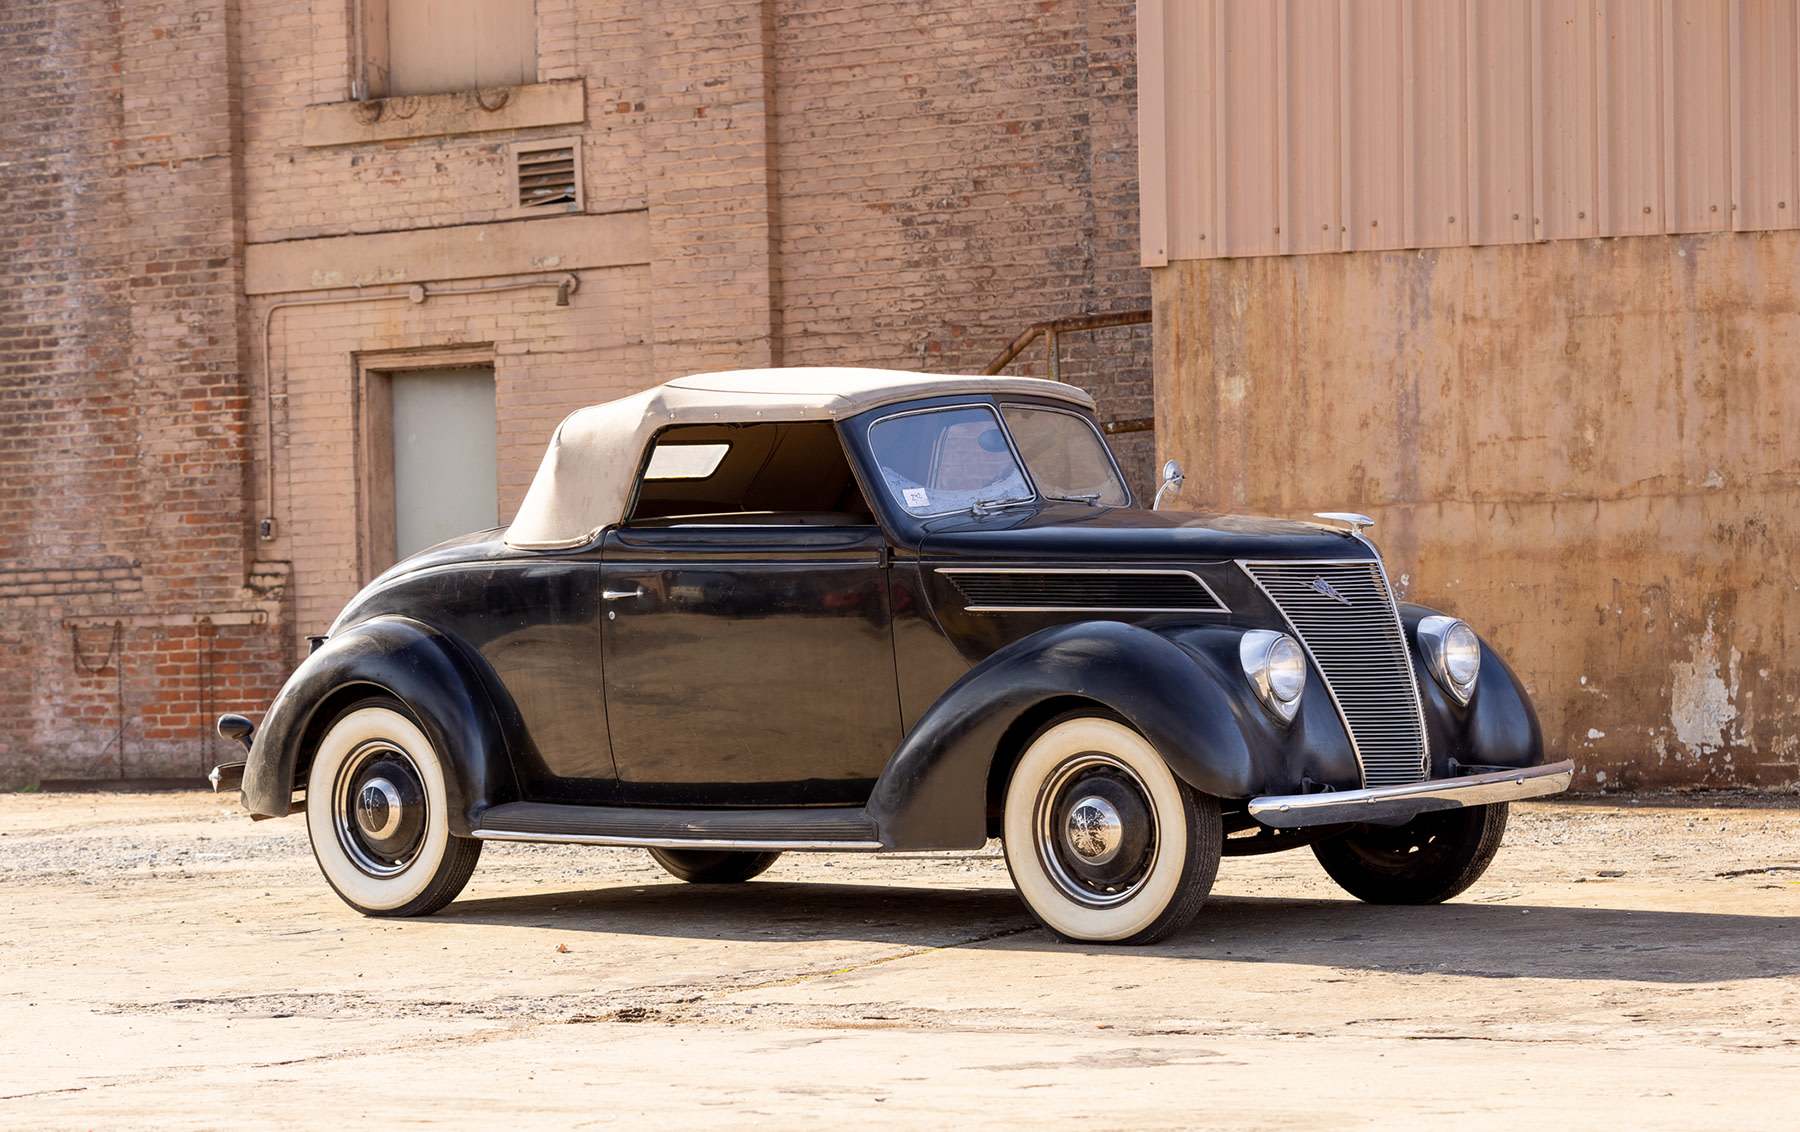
1326 588
1357 523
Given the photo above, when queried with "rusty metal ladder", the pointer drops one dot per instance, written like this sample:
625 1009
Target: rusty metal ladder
1052 329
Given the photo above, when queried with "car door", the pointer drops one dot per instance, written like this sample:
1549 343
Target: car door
748 644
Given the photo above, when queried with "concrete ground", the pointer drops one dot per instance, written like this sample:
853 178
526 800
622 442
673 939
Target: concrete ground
167 963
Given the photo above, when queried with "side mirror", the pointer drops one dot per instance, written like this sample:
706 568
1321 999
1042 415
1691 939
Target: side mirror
237 728
1172 479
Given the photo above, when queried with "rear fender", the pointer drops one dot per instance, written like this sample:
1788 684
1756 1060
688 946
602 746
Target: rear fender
933 793
423 669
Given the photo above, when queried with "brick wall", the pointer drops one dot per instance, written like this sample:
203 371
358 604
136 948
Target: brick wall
122 400
854 181
876 183
548 360
950 173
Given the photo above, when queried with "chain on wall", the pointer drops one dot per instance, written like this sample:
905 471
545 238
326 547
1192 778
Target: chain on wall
114 658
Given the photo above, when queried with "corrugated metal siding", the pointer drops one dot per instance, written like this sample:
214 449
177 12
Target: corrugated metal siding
1291 126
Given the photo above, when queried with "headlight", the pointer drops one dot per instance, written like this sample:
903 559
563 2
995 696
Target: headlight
1453 653
1277 670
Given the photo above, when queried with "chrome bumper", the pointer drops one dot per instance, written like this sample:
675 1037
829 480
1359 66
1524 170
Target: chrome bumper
1394 804
227 776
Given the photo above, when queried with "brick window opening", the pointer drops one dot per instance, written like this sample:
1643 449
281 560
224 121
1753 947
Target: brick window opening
443 46
546 176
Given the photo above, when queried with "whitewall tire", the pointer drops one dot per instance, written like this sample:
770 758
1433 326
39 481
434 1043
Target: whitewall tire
376 813
1104 843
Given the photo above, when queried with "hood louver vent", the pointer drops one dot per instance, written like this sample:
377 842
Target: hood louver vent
1115 591
547 176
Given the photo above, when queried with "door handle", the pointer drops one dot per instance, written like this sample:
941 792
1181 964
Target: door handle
620 595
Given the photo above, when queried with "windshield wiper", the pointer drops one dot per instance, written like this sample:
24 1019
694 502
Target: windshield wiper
1092 499
988 506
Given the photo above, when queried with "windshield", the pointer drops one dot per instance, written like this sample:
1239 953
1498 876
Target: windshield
945 460
1065 455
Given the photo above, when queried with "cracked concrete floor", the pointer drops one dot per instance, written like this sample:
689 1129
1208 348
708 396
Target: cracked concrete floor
166 963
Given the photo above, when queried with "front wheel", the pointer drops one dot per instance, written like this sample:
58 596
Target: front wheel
1426 861
376 813
1104 843
713 866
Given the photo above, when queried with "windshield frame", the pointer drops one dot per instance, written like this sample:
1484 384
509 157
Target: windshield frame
1099 434
993 410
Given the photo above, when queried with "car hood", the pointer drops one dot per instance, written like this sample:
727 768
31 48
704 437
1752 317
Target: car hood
1062 532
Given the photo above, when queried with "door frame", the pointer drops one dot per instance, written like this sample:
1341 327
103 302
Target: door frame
373 408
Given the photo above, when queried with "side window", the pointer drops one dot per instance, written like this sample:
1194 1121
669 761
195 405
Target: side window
788 474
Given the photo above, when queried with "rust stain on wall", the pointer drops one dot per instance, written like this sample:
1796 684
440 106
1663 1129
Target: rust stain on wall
1584 447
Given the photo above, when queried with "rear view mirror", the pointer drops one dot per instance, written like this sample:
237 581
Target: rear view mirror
1172 479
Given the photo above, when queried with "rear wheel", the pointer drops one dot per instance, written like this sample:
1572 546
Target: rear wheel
713 866
1104 843
377 816
1426 861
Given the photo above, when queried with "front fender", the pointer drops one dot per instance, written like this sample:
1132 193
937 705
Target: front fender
1498 726
417 665
933 793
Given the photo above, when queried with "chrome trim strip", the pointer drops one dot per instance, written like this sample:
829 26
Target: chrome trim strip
673 842
1412 682
1134 571
1087 609
1402 803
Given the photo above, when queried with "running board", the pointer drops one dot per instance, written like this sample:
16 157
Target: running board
838 827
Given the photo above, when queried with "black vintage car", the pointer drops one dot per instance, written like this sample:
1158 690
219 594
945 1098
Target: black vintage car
858 610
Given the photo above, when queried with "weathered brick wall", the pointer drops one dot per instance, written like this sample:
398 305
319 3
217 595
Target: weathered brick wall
854 181
950 173
547 360
121 395
879 183
903 184
709 163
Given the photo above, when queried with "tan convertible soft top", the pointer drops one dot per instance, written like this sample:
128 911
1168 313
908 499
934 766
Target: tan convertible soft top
586 477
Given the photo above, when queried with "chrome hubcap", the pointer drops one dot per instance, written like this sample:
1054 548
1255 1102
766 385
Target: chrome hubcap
1095 830
378 808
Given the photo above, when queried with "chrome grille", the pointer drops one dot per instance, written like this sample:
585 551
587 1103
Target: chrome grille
1356 642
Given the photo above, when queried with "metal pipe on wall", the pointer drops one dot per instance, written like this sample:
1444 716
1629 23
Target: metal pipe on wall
566 284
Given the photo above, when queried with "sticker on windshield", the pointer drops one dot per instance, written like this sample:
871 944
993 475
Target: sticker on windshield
917 497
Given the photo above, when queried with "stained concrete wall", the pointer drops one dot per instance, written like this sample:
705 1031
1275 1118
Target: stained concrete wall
1586 448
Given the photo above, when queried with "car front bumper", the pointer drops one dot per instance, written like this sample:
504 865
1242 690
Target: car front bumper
226 776
1392 805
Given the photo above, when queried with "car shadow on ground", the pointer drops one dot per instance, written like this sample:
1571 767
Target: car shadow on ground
764 911
1475 939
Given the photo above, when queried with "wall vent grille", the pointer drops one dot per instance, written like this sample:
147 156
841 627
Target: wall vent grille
547 176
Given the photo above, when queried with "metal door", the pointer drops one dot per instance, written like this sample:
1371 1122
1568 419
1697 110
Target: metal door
446 457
